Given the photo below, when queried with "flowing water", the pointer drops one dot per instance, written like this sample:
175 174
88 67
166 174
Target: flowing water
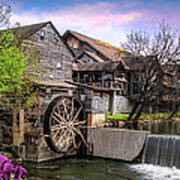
98 169
161 150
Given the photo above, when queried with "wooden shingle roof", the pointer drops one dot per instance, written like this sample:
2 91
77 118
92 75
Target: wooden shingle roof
28 30
56 84
112 52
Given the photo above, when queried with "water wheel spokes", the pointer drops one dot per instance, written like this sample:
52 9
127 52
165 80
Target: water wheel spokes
63 121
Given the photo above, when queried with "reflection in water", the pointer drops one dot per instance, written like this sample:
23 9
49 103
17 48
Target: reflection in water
165 127
73 169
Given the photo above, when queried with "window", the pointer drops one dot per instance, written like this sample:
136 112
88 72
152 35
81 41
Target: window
58 63
42 34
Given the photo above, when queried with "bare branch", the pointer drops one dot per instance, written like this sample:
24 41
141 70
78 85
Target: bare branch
155 54
5 14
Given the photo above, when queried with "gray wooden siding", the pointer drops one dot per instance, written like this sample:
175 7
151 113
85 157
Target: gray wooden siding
52 51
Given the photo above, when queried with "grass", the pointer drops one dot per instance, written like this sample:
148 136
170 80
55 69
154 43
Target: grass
118 116
123 116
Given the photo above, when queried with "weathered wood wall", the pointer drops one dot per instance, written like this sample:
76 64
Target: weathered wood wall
52 51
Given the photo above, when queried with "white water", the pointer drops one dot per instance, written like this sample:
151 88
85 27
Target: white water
155 172
162 150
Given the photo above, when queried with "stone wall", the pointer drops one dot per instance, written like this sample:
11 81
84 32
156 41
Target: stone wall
38 151
94 102
123 104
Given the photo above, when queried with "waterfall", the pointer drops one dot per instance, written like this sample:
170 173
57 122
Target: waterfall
162 150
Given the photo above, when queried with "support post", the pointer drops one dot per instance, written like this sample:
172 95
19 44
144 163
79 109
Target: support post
78 77
18 127
113 102
113 80
102 80
94 79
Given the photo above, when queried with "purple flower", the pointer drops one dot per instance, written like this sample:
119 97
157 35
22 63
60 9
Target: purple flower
6 168
18 172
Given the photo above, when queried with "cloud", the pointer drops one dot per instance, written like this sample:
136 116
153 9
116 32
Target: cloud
99 18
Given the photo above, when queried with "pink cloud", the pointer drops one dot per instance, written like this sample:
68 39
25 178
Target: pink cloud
84 15
90 19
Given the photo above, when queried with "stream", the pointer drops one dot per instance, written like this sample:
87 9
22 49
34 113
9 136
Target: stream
101 169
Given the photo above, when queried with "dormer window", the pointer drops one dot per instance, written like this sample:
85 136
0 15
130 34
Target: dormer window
42 34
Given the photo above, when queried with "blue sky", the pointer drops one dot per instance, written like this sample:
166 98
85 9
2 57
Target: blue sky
108 20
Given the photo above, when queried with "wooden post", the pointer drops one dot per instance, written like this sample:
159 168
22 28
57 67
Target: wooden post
113 80
21 125
84 79
113 102
18 127
102 83
78 77
131 85
94 79
15 127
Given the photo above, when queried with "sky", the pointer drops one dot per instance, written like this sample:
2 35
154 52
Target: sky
107 20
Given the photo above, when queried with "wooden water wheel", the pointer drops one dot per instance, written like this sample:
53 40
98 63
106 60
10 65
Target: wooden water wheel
63 122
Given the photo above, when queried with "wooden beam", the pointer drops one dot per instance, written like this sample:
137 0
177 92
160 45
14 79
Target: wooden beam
92 87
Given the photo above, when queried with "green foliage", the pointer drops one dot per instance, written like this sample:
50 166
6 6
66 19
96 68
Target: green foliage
18 72
122 116
12 64
118 116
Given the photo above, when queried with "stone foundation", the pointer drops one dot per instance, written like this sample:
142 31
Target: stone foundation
38 152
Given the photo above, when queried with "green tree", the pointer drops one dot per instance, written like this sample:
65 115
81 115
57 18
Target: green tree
19 69
12 64
18 72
